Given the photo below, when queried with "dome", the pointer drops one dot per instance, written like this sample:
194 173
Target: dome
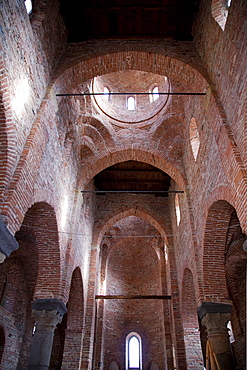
130 105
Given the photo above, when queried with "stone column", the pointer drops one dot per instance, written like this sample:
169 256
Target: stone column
47 314
215 317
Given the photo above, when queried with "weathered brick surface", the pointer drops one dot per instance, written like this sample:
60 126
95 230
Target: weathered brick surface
51 148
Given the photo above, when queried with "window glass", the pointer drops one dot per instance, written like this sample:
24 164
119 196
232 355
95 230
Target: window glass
106 93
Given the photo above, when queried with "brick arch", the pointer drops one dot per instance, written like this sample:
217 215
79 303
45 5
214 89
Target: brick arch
192 342
118 215
41 220
216 229
127 153
85 63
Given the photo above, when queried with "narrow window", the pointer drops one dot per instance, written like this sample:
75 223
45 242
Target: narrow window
154 94
106 93
131 103
177 209
29 6
133 352
228 3
194 137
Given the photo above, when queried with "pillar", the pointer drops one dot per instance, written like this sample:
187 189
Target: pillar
47 314
215 316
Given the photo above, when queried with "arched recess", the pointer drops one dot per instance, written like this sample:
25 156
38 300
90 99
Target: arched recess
42 220
74 323
18 277
192 341
216 228
134 268
116 216
224 269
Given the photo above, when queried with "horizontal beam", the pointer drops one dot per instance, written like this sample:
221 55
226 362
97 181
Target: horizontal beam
131 191
132 93
118 296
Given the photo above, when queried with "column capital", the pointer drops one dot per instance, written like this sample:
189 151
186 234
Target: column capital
49 304
213 308
48 312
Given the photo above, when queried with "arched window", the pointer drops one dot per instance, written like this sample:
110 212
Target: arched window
29 6
154 94
131 103
133 352
194 137
106 93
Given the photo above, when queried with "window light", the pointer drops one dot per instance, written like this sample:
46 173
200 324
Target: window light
131 103
133 352
155 93
29 6
177 209
106 93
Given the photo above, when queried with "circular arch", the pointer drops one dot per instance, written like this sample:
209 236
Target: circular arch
217 222
126 154
40 218
89 59
116 216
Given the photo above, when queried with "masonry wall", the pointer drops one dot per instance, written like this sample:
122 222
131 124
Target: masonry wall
52 148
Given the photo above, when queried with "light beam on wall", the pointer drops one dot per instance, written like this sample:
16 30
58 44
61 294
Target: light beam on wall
64 213
21 95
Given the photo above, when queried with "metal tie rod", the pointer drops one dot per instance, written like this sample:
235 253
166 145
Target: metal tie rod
132 93
131 191
117 296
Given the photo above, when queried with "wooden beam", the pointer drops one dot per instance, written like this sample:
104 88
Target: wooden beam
119 296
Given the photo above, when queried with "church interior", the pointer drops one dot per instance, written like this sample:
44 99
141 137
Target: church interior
123 184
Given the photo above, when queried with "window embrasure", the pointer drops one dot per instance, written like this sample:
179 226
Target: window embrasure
220 11
194 137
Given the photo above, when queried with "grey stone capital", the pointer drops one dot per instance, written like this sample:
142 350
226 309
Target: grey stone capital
213 307
8 243
49 304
